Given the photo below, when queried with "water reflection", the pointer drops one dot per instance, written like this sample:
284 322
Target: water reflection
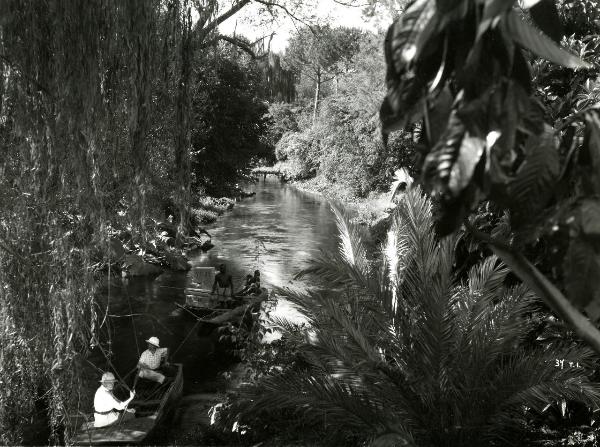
277 231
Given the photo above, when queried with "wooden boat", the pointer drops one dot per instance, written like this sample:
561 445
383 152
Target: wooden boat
152 403
218 309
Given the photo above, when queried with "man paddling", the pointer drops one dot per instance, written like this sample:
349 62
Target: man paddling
223 280
107 408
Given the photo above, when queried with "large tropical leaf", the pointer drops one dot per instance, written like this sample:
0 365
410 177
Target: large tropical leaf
470 152
492 12
540 44
406 76
440 160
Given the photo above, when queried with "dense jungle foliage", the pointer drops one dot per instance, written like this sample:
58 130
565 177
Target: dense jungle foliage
111 118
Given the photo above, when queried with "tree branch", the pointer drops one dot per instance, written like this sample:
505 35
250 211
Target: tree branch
287 11
220 19
351 4
245 46
204 12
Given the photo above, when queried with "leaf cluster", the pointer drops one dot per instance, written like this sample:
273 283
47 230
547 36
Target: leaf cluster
493 131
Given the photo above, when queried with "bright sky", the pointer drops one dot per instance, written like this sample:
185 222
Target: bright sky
245 22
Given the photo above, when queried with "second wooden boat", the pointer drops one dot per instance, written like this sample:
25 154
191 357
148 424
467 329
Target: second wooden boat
153 402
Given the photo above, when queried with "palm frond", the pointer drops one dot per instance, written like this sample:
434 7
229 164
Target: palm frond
408 349
317 399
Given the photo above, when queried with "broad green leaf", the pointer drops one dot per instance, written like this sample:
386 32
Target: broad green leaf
540 44
438 163
438 113
492 12
471 150
495 8
409 67
401 42
426 28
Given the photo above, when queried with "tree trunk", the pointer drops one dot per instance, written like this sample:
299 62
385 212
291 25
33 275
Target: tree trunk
317 94
182 133
140 41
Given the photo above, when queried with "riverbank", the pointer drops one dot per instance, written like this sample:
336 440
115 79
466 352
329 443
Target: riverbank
368 210
371 211
159 245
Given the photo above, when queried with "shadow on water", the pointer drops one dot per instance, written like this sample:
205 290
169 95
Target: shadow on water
277 230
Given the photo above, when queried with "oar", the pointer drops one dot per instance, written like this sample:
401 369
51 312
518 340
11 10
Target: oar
137 376
187 310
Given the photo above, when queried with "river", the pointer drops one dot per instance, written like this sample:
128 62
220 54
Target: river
278 230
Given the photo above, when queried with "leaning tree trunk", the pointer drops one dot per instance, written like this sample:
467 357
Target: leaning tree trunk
317 94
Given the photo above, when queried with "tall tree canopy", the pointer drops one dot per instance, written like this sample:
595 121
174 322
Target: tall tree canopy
320 53
229 116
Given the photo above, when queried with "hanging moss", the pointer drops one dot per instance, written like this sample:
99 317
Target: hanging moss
76 93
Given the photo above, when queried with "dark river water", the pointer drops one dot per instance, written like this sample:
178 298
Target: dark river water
277 231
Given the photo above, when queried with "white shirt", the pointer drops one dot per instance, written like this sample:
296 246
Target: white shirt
105 401
153 360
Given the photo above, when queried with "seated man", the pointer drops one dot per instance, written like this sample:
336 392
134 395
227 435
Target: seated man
223 280
243 290
107 408
153 359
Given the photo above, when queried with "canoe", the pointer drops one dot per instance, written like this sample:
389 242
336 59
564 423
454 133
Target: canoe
152 403
218 309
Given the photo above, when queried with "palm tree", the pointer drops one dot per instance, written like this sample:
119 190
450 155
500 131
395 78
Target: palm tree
406 354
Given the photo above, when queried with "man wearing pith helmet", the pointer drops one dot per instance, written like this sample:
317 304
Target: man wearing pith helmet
107 408
153 359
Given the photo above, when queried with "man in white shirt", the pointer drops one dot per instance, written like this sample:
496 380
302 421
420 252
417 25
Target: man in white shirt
107 408
152 359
